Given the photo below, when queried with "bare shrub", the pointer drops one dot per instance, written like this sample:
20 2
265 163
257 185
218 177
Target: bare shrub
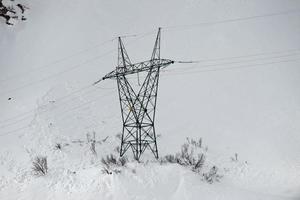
117 149
106 171
191 154
109 160
123 160
170 159
111 163
104 140
235 158
40 167
58 146
212 175
92 143
200 163
186 156
195 142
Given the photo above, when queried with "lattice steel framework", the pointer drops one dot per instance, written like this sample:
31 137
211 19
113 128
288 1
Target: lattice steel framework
138 107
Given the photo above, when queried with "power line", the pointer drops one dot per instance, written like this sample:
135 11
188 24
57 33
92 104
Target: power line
26 116
182 27
74 108
56 74
240 56
83 104
69 69
14 122
59 99
30 112
142 35
172 74
54 62
204 60
70 56
76 66
15 130
230 68
236 62
90 126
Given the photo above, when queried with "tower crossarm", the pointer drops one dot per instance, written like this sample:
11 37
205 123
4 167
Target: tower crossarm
138 67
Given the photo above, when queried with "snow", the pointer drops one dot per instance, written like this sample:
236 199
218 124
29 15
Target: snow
49 62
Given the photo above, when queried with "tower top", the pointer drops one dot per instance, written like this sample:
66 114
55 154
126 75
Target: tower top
125 67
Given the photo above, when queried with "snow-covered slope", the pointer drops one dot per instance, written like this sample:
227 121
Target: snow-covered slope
243 97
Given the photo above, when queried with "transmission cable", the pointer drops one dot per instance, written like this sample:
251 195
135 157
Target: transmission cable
54 62
69 69
56 74
229 68
240 56
182 27
29 113
74 108
230 63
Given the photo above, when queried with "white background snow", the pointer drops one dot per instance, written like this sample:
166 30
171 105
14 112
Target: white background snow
243 97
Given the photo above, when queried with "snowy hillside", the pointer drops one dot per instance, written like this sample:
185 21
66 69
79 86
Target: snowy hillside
241 96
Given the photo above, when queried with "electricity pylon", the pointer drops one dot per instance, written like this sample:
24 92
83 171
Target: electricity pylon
138 107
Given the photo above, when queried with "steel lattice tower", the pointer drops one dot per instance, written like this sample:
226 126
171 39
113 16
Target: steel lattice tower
138 107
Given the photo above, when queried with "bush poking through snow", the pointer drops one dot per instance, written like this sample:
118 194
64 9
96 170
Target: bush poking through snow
40 167
191 154
111 162
58 146
92 142
198 166
123 160
212 175
235 158
170 159
117 149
